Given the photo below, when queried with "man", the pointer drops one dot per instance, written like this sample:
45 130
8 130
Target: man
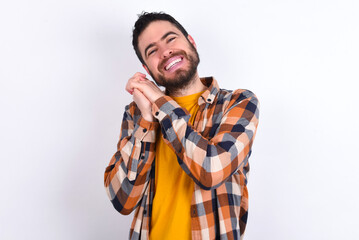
182 159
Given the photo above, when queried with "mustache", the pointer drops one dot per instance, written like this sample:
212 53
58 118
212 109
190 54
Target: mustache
162 64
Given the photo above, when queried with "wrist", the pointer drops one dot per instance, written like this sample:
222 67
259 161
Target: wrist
157 96
148 117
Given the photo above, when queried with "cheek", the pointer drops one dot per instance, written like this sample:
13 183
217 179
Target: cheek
153 65
152 68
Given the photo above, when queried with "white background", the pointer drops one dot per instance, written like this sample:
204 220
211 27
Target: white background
63 68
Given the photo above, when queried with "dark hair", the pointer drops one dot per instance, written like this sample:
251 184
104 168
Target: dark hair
144 19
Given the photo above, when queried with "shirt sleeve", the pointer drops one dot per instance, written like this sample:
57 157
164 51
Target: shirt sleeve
128 172
211 161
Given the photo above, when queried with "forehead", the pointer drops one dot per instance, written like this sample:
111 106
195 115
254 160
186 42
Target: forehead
154 31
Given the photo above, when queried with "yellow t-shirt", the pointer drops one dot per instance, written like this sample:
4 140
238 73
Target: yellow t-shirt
171 218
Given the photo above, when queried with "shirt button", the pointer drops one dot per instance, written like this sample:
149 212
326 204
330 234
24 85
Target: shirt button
194 212
157 113
209 100
144 130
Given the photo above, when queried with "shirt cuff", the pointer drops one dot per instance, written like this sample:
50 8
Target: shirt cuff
163 107
146 131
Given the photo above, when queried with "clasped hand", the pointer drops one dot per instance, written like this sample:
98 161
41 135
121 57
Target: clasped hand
144 92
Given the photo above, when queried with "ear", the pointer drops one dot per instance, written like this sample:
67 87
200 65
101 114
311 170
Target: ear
191 40
145 67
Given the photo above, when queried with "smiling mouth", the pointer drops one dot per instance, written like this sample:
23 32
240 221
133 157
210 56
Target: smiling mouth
172 63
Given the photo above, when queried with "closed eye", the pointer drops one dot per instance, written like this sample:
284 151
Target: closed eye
151 52
171 39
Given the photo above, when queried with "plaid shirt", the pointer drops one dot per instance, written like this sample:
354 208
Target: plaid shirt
214 152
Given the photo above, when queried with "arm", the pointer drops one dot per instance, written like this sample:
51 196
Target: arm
210 162
128 173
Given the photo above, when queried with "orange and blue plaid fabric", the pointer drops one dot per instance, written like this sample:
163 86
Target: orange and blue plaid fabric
214 152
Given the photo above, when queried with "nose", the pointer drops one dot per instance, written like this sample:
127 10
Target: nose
166 53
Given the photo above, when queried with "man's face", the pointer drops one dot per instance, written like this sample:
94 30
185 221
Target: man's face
170 58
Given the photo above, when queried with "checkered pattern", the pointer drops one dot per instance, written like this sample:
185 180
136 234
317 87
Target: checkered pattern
214 152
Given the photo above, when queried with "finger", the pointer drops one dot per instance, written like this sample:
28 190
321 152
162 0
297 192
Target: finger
133 83
143 77
135 78
128 87
139 74
136 85
138 77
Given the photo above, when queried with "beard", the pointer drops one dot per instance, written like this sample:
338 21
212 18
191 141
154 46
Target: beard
183 77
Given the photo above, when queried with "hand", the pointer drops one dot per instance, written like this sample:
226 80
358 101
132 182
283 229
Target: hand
143 104
148 88
135 78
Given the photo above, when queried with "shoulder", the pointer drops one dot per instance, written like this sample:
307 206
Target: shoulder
236 96
235 101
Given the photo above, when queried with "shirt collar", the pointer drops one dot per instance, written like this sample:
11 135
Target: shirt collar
211 91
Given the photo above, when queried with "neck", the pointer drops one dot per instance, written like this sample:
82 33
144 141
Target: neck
193 87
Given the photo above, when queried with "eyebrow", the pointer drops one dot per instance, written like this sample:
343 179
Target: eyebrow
162 38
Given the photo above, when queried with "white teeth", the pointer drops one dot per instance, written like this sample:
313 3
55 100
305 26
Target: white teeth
173 63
